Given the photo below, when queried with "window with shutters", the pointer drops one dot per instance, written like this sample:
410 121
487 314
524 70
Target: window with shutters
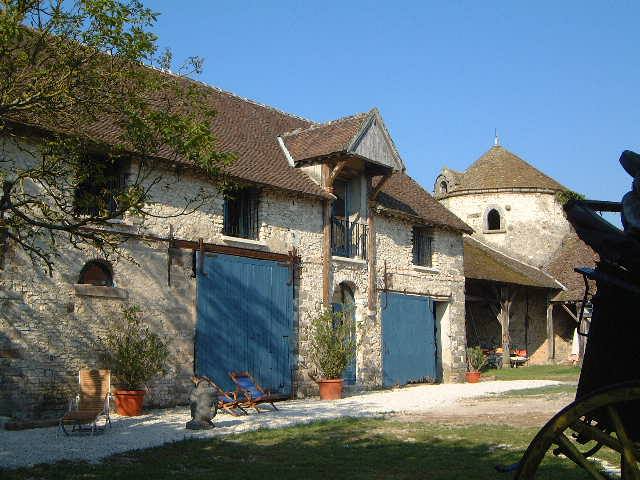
241 213
422 247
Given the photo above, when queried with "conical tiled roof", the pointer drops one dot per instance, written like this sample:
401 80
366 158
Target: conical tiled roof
498 168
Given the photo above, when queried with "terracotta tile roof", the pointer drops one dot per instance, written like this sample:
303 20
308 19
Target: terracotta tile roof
403 194
571 254
498 168
481 262
250 130
323 139
246 128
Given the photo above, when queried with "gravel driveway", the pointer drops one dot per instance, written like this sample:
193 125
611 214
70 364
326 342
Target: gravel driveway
47 445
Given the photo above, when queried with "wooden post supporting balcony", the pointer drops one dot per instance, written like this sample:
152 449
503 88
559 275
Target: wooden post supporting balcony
371 258
326 240
372 294
329 176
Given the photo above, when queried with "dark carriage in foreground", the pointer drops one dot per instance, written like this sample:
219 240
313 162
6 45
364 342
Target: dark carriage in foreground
606 412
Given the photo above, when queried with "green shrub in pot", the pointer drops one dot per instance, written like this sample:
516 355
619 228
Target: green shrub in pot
135 355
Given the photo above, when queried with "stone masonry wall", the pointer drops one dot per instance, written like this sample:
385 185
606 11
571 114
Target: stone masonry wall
535 222
444 281
49 328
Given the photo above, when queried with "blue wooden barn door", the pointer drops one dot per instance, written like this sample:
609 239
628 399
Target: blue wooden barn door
408 338
244 321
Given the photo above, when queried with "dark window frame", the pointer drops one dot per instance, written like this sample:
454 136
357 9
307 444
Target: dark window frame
241 213
492 226
422 247
97 197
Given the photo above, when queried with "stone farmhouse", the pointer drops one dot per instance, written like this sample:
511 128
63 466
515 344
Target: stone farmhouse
521 289
324 213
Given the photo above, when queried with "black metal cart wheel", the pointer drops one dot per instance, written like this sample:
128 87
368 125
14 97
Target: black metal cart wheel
594 418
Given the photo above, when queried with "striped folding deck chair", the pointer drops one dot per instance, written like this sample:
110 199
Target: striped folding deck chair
253 393
226 401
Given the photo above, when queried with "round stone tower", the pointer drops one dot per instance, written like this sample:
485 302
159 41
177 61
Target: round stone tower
509 204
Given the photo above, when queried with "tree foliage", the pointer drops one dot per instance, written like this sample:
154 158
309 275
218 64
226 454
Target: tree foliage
84 96
565 196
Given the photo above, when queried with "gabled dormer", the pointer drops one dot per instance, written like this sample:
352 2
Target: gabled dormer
344 156
361 140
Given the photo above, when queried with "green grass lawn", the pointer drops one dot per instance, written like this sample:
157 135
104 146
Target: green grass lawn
347 448
547 392
563 373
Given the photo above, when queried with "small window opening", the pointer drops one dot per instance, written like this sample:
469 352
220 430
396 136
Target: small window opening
100 184
493 220
444 188
422 247
241 213
96 272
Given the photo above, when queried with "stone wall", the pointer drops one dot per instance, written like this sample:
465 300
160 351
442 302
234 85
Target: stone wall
535 222
51 330
444 282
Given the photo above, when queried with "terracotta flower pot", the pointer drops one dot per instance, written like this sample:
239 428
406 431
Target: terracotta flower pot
129 402
472 377
330 389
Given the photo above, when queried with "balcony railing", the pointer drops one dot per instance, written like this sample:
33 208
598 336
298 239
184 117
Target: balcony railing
348 239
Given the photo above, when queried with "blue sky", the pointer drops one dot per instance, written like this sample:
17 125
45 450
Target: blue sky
559 80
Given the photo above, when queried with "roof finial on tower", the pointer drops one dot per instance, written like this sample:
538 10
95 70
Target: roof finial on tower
496 140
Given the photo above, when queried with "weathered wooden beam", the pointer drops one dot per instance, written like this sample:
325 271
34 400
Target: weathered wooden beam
602 205
571 314
550 336
333 174
228 250
476 299
371 261
376 190
201 258
505 314
326 236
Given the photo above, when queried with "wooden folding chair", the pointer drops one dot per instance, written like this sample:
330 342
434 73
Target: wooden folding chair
90 404
226 401
253 393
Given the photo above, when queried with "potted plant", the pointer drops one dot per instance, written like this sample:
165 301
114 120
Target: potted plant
135 355
476 360
332 346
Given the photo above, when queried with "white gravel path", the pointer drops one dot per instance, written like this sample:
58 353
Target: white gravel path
48 445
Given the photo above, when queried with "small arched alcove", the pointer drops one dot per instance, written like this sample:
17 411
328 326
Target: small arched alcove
96 272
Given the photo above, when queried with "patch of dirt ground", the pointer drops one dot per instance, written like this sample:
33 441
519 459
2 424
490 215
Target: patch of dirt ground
517 411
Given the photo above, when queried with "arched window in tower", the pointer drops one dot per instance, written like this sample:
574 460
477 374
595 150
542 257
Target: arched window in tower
444 188
96 272
494 221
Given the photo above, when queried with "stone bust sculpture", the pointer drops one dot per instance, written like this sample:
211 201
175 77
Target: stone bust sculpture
203 404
